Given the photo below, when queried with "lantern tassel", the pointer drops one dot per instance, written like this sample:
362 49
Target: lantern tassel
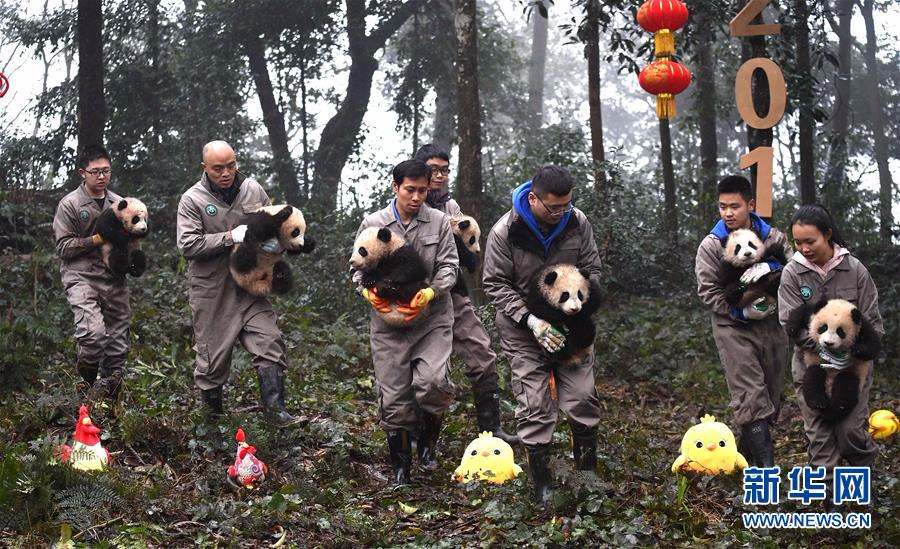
665 105
664 40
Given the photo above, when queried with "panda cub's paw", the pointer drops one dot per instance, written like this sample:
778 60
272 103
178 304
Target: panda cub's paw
814 388
138 263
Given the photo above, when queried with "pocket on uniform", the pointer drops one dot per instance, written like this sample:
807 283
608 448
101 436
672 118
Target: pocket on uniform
849 293
429 249
202 350
569 252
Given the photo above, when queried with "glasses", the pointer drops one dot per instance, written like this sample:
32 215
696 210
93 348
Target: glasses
99 171
557 211
445 171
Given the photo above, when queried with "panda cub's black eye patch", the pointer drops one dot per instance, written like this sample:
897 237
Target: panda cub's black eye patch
841 333
823 328
363 252
472 240
580 296
564 297
737 249
752 245
295 233
135 220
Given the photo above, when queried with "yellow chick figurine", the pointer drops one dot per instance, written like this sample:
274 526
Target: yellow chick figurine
487 458
883 424
708 448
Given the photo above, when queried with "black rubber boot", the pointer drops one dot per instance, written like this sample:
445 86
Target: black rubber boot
538 456
212 398
107 386
487 413
429 430
760 442
743 446
87 371
401 455
584 446
271 393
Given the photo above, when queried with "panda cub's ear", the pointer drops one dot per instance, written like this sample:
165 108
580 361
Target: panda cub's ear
123 204
464 224
550 278
818 306
724 241
585 273
384 234
856 315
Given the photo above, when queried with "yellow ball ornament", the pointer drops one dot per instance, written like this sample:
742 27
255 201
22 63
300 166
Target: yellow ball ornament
883 424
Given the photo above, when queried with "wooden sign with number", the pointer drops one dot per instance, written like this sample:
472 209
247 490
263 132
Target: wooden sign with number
762 157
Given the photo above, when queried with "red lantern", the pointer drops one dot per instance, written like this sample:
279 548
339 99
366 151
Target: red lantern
662 17
4 84
665 79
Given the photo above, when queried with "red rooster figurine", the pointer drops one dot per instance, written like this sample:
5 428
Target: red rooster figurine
247 469
86 453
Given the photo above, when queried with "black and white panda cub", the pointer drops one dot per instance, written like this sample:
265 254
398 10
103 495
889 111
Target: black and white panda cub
743 249
840 328
259 272
467 235
121 226
390 266
567 298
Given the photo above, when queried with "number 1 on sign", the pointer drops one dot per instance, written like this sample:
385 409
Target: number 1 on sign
764 158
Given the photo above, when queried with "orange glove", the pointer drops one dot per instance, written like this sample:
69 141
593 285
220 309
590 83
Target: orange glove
380 304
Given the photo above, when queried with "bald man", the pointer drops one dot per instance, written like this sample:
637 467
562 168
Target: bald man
210 221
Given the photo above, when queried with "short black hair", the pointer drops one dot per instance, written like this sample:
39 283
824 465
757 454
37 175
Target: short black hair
552 179
428 151
90 153
412 169
818 215
736 184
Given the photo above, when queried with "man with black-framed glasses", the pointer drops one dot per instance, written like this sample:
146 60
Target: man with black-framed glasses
543 228
98 298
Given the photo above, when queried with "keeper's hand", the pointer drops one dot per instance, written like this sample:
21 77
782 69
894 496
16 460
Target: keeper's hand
546 335
755 272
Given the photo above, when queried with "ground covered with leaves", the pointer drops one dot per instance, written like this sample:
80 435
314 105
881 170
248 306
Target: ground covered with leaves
328 484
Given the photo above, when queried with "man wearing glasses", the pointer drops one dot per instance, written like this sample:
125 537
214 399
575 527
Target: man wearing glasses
543 228
98 298
210 223
470 340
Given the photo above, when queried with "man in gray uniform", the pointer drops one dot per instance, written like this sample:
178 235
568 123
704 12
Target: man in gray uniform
210 217
751 344
543 228
412 363
98 298
470 339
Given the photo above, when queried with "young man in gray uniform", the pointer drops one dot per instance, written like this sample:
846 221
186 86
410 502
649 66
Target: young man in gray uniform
210 217
412 363
98 298
752 346
543 228
470 339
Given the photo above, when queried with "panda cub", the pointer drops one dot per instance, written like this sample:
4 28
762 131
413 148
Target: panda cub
392 268
467 235
743 249
838 327
259 272
567 298
121 226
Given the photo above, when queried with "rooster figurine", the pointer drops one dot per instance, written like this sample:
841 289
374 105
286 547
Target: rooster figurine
247 470
86 453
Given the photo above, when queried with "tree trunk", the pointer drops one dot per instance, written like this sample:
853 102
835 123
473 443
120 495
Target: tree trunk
834 193
536 70
285 172
444 135
876 116
153 50
304 130
806 100
592 53
755 46
468 180
670 215
707 97
91 102
340 132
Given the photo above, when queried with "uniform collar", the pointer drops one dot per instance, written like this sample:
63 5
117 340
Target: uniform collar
86 198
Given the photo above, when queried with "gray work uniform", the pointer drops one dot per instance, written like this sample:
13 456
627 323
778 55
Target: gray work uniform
470 340
513 257
222 311
753 352
98 298
412 365
849 437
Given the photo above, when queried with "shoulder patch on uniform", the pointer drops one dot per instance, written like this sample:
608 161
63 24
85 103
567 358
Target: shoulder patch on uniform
83 215
211 210
805 292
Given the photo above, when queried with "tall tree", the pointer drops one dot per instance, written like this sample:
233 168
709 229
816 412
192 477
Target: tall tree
91 102
670 214
592 53
340 133
469 177
805 91
840 117
705 77
877 121
539 18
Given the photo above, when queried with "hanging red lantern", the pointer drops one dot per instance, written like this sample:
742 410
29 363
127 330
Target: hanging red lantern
4 84
665 79
662 17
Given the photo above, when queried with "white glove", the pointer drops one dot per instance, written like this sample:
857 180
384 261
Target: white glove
272 246
755 272
237 233
837 359
546 335
759 310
